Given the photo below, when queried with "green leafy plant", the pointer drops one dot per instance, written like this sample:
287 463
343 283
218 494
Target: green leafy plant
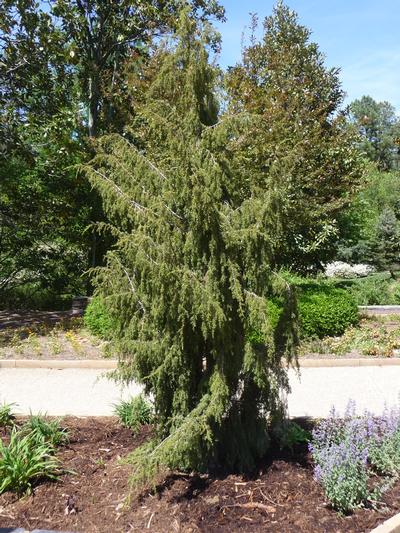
323 310
24 461
290 435
45 431
98 320
384 456
135 412
372 291
7 417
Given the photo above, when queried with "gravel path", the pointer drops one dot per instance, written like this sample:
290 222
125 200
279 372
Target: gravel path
87 392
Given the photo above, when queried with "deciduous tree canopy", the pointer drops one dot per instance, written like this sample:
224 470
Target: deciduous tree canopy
300 147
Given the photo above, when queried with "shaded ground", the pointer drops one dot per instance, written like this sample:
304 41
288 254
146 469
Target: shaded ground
17 319
46 335
282 497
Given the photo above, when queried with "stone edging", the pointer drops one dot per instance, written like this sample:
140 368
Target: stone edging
111 364
347 362
380 308
390 526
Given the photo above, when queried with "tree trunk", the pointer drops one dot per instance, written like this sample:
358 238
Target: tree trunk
93 111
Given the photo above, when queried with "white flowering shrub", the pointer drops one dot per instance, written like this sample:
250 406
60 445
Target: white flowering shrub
340 269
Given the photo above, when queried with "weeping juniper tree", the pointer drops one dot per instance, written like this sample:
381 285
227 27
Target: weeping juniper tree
189 274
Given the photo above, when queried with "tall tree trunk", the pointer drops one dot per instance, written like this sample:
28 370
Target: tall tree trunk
93 111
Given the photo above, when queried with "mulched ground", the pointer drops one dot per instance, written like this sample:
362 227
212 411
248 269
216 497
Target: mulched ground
283 497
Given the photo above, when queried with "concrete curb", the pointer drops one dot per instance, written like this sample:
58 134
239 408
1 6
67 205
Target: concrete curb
378 310
111 364
342 362
390 526
101 364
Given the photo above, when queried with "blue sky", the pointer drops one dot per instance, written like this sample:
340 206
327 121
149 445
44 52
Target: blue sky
361 37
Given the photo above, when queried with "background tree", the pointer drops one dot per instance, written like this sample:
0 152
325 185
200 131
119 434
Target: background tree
189 273
101 35
362 240
379 127
299 147
60 64
386 245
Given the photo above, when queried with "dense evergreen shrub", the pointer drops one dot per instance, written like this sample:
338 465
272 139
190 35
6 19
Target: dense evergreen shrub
323 310
190 268
327 311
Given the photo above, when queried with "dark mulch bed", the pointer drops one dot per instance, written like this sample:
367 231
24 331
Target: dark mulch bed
283 497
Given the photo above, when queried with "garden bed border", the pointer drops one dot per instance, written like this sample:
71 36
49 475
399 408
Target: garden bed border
59 364
379 310
392 525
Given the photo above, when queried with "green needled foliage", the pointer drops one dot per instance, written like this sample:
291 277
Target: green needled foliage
189 273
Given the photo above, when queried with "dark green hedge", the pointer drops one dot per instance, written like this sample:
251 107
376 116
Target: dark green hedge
323 310
326 312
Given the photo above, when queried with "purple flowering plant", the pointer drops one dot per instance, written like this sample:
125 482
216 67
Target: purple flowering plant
347 449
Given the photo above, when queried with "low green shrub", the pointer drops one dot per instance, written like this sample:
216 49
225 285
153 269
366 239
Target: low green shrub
394 292
34 296
97 319
373 291
274 311
323 310
326 312
134 413
25 461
